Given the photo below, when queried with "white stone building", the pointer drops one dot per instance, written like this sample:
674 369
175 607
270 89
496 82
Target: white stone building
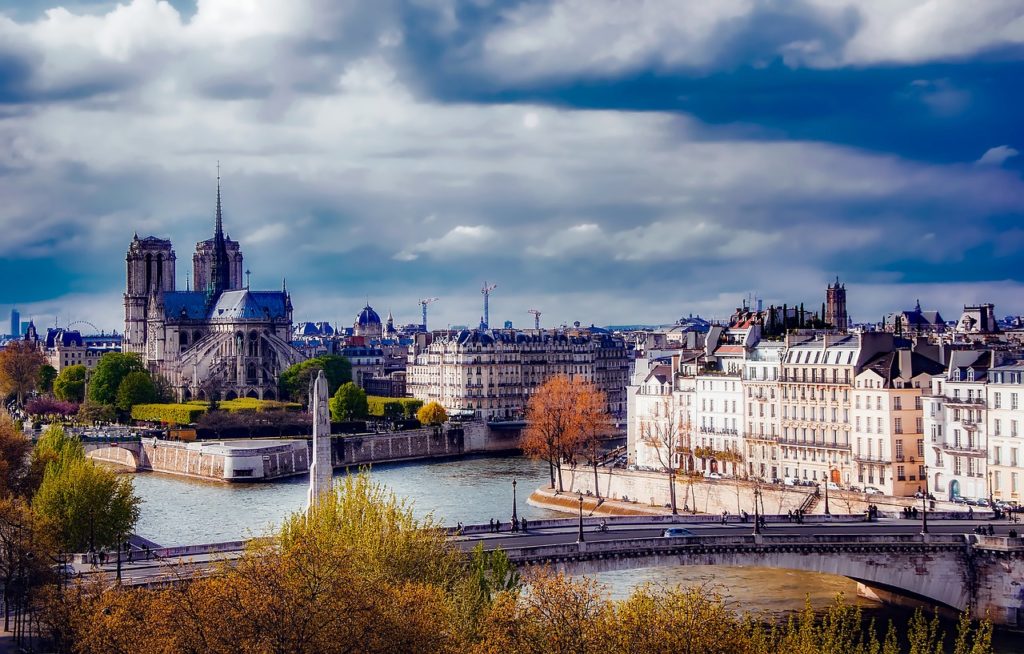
955 422
1005 425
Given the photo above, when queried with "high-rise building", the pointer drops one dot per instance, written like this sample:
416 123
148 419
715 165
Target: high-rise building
15 323
835 306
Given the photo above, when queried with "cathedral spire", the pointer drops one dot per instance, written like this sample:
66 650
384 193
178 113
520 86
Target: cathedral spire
219 229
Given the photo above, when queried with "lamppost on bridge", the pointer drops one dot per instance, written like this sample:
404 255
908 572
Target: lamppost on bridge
757 519
579 539
924 503
515 517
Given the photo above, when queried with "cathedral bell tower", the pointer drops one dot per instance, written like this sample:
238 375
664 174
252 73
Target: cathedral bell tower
150 273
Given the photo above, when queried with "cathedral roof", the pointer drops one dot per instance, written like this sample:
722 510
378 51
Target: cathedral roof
185 305
250 305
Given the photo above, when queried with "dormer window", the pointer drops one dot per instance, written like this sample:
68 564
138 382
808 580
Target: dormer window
956 375
970 374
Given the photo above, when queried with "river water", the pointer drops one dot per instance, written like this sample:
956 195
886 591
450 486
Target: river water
178 511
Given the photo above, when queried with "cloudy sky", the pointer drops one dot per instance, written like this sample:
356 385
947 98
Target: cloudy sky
608 161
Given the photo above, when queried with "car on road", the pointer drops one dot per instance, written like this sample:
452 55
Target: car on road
981 501
676 532
871 490
832 486
959 500
712 475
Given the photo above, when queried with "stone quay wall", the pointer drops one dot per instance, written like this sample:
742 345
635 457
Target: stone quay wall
252 461
651 490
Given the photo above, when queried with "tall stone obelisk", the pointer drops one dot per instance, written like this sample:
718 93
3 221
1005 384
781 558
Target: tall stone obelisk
320 470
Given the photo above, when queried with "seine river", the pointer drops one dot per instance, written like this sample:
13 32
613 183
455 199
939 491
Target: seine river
178 511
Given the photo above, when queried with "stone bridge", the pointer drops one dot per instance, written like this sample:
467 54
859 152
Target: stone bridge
983 574
129 454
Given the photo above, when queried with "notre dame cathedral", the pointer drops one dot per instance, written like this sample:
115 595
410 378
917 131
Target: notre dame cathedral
218 338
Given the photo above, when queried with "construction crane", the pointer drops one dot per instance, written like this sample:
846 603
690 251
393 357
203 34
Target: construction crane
486 290
536 318
423 305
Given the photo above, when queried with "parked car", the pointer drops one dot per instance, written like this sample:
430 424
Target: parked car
981 501
958 500
791 481
832 486
712 475
871 490
676 532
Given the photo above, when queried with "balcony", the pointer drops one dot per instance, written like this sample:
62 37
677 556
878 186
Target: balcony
971 401
871 458
964 450
819 443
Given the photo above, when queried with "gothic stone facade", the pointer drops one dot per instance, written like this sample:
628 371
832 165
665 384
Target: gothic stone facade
218 339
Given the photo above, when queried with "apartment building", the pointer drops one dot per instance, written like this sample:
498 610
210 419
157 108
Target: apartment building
762 415
888 424
1005 425
955 421
492 373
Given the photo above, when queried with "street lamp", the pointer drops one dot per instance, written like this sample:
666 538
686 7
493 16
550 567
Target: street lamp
757 520
924 503
579 538
515 517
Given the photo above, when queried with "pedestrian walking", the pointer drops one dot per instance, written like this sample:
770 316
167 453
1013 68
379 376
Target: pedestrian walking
491 523
523 522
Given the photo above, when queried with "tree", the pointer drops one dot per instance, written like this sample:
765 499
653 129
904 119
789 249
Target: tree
110 371
296 379
349 403
25 554
663 433
20 363
93 412
89 506
69 385
559 418
432 414
136 388
14 460
47 374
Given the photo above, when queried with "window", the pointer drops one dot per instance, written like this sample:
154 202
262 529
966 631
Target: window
1013 457
900 474
897 403
899 449
917 402
918 425
898 426
1013 428
996 426
1013 400
997 401
996 452
920 448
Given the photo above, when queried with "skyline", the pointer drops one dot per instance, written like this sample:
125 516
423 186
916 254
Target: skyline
603 165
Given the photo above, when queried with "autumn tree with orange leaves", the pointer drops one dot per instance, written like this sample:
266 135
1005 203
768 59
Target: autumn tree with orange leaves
561 418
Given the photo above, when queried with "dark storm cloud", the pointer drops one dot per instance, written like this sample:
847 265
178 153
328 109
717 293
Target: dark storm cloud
612 162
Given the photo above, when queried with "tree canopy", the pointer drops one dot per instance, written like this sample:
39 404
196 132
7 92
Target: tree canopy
20 363
295 380
136 388
432 414
88 506
349 403
561 417
44 380
111 370
69 385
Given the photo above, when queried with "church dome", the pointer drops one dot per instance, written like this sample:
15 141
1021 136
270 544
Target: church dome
367 317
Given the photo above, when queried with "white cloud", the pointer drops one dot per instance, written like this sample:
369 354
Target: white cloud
608 37
461 240
997 156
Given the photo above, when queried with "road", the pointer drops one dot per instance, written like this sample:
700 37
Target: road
157 571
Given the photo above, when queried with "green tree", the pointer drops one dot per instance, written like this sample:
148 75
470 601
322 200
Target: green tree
20 363
432 414
69 385
89 506
295 380
349 403
135 388
44 381
93 412
111 370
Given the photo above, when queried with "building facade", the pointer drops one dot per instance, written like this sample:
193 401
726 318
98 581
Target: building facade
218 339
493 373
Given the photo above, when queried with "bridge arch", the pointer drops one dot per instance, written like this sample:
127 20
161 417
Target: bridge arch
938 573
122 454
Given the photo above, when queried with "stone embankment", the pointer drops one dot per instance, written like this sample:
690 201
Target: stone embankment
648 493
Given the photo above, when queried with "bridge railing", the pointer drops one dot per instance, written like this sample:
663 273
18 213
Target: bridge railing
614 521
540 553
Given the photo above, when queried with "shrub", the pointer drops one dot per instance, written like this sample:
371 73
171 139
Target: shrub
171 414
393 407
45 406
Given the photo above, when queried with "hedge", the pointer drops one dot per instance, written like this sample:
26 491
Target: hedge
382 407
250 404
172 414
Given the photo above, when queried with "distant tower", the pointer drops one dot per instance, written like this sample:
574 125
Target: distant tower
15 323
150 273
217 263
835 306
